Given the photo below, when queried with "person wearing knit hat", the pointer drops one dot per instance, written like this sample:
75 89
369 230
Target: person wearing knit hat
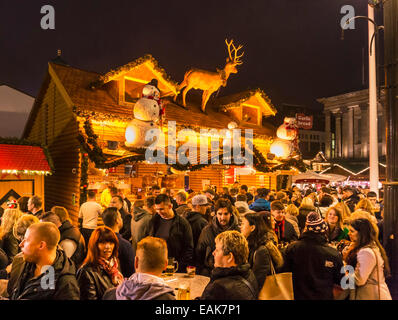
315 223
314 264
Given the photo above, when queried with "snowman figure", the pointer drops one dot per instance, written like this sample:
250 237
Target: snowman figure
286 144
148 111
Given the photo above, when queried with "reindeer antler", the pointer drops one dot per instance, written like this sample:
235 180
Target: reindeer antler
235 50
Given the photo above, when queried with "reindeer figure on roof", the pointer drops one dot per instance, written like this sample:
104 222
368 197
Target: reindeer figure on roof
209 81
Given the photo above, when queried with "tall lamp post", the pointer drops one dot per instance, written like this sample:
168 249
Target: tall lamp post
391 108
373 30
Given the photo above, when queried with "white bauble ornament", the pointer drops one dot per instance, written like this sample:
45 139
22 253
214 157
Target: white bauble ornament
146 110
136 131
281 148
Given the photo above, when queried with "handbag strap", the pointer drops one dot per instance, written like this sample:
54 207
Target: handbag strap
248 284
270 260
378 276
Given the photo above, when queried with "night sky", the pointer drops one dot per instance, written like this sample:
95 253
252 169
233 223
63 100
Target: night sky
293 49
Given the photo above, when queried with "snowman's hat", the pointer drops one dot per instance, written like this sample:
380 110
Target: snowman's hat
154 82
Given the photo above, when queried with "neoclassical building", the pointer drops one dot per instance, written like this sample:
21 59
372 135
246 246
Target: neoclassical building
347 125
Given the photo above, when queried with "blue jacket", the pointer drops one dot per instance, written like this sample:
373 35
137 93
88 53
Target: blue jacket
260 205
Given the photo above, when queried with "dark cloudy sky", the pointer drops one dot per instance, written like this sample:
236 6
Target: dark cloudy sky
292 48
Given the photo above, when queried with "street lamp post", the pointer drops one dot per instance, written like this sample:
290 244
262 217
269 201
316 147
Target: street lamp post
373 30
373 134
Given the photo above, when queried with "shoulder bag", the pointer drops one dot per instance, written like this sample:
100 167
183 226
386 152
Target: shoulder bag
277 286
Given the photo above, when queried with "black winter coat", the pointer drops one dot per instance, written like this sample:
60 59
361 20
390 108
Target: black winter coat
10 245
197 222
93 282
180 241
228 284
24 286
206 244
125 231
315 267
289 234
70 232
352 201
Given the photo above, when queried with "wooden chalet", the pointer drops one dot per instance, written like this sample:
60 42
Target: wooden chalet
70 96
22 171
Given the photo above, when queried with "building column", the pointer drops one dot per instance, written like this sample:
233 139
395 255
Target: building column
328 138
347 132
364 130
338 135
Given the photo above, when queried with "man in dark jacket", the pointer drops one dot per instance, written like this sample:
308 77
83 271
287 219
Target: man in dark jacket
117 202
181 199
315 265
113 220
35 206
46 273
196 218
261 203
174 229
146 283
231 278
350 197
72 241
224 220
142 215
283 228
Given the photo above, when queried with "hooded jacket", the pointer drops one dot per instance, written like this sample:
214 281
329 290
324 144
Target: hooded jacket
24 286
206 244
139 225
234 283
315 267
141 286
180 241
260 205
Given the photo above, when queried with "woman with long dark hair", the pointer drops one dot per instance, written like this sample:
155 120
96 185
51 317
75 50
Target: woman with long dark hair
366 255
262 249
99 270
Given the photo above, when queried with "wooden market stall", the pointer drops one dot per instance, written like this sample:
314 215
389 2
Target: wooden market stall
22 171
82 117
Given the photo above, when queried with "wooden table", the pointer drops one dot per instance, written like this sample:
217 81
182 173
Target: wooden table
197 284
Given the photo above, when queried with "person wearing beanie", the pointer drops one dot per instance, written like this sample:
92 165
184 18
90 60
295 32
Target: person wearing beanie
315 265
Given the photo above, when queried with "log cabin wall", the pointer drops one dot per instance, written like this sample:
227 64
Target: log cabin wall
56 127
213 173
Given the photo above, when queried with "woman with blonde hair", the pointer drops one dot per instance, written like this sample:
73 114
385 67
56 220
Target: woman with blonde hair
306 206
345 210
8 242
291 215
366 205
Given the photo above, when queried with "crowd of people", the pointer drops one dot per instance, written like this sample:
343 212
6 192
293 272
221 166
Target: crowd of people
237 237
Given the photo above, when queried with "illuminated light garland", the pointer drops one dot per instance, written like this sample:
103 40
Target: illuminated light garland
111 75
96 155
29 172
